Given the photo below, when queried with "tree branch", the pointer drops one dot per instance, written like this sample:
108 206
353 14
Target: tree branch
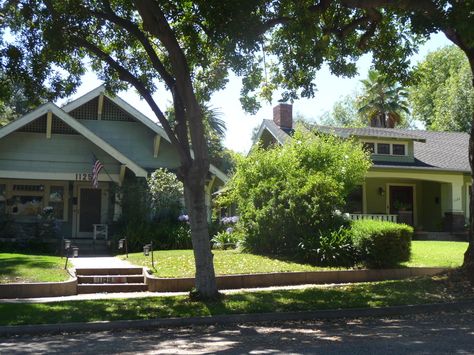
125 75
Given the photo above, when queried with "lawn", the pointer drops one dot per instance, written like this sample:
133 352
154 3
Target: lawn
31 268
180 263
437 253
366 295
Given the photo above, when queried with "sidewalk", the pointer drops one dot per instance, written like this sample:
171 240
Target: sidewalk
103 262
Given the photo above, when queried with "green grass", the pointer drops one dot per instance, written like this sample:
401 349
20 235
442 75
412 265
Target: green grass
437 254
375 294
31 268
180 263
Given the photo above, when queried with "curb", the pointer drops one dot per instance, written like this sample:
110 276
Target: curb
234 319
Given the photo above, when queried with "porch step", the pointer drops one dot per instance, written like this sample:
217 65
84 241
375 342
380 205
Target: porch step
115 287
109 279
109 271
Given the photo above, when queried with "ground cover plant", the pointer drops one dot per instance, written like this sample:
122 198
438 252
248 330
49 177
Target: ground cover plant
366 295
179 263
31 268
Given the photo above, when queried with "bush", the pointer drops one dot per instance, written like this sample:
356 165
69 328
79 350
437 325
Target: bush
287 195
334 248
381 244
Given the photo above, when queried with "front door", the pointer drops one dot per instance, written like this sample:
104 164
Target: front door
90 201
401 203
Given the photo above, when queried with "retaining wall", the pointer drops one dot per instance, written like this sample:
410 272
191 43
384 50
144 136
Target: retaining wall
44 289
156 284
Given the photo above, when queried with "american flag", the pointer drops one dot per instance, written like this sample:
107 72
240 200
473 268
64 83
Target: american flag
96 168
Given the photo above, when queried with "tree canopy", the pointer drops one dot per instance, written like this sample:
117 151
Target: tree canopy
191 46
442 96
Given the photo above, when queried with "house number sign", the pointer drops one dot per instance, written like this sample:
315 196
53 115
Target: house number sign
83 176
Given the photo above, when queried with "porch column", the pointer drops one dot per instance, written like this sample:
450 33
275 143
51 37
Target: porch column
452 205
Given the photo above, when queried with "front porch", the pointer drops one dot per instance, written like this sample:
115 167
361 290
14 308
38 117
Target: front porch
429 203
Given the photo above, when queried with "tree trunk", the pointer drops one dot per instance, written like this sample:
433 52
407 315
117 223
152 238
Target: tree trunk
205 276
468 264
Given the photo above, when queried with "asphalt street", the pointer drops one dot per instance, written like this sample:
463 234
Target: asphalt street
436 333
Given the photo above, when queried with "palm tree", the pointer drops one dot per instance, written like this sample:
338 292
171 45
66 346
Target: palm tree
382 101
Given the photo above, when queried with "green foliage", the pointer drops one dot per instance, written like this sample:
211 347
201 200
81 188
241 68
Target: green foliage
383 101
333 248
382 244
289 193
344 114
150 210
166 194
226 240
442 96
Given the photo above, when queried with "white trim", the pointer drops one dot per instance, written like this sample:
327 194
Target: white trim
37 175
83 99
24 120
387 199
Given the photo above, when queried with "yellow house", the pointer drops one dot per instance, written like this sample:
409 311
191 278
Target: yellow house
421 178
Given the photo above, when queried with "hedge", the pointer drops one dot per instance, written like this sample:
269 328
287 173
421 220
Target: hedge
381 244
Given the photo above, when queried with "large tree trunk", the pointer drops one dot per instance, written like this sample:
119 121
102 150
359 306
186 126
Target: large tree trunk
195 200
468 264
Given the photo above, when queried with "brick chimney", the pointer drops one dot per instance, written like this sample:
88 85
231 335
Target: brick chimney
283 116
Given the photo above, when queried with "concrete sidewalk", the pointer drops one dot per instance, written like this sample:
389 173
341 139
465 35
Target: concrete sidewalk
99 262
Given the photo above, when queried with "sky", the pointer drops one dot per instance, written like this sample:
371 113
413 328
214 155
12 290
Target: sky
240 124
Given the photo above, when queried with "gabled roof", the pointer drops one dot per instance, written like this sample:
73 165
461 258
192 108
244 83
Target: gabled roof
120 103
279 134
73 123
136 114
445 151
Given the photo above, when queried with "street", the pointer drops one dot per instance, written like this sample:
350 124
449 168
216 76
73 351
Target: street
440 333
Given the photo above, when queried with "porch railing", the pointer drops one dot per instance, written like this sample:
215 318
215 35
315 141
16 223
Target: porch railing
379 217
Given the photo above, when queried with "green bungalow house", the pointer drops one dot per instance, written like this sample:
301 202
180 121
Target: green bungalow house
46 159
421 178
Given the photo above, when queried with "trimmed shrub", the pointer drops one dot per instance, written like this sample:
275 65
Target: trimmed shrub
381 244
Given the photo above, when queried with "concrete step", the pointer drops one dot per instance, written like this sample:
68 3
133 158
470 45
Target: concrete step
109 271
109 279
109 288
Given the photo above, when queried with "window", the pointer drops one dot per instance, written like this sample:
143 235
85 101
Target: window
369 147
398 149
383 148
56 200
27 206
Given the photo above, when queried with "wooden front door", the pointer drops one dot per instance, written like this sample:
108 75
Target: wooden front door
90 201
401 203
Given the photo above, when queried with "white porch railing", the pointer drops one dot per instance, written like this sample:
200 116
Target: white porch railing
379 217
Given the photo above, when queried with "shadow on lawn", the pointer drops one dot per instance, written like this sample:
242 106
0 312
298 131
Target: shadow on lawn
12 266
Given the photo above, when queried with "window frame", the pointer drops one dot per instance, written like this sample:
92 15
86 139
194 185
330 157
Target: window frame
391 144
45 194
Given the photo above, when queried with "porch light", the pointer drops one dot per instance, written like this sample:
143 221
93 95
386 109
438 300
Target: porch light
146 250
381 191
67 244
120 246
75 252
